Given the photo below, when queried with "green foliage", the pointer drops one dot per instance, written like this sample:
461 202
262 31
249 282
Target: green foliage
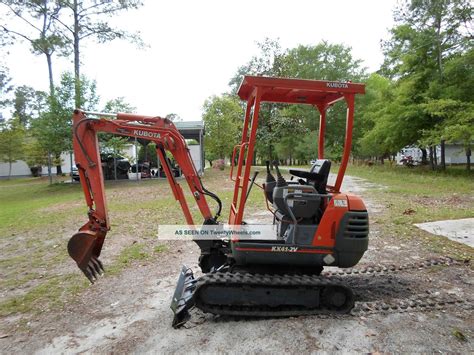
12 135
390 120
92 20
53 128
430 100
306 148
111 144
269 62
84 20
458 83
151 156
119 105
29 104
174 117
323 61
5 86
457 122
35 154
425 35
372 117
114 146
288 124
42 35
222 119
64 95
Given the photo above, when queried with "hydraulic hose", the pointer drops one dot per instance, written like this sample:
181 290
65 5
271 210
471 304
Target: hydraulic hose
213 196
89 160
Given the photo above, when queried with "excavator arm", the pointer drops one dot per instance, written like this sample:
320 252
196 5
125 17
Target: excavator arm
85 246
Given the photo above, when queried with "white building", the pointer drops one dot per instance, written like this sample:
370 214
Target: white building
190 130
454 154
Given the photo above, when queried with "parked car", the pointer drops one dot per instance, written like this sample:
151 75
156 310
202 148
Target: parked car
143 169
75 173
123 165
107 162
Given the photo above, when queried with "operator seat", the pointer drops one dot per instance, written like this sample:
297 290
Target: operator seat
320 167
317 176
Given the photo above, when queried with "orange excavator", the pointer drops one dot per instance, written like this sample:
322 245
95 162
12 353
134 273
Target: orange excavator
315 224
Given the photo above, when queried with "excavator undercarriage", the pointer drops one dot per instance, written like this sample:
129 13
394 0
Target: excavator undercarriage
259 295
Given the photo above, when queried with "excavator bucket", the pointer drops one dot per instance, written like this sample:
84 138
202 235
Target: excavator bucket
84 247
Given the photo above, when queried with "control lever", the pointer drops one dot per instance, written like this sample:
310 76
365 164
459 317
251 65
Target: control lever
251 184
280 179
270 183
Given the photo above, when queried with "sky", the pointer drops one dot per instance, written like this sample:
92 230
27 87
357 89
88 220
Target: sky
195 47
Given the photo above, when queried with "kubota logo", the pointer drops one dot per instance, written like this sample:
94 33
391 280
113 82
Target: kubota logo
337 85
140 133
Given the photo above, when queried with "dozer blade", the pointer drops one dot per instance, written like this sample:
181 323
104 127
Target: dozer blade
183 299
84 248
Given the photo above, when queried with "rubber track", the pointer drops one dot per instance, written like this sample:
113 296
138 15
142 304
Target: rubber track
421 302
384 269
416 303
260 280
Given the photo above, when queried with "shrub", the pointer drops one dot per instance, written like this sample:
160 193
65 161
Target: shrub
218 164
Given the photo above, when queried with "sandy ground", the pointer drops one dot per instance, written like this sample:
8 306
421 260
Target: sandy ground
130 312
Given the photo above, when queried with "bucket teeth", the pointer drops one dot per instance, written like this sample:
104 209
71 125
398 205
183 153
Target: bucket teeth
93 270
83 248
98 267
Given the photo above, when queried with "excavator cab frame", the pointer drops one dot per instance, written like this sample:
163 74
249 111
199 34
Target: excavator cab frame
255 90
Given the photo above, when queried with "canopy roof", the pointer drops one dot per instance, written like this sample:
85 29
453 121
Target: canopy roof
190 129
301 91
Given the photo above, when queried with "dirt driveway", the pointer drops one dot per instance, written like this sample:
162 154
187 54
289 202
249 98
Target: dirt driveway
130 312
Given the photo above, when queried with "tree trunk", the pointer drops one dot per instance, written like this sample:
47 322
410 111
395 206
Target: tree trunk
77 83
59 169
439 57
115 168
468 159
50 73
435 156
70 164
424 156
443 154
9 170
50 175
431 158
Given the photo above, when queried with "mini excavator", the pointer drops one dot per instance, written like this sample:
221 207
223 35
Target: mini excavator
316 225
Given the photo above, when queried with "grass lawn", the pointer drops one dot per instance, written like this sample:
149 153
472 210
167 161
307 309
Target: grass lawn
37 220
415 195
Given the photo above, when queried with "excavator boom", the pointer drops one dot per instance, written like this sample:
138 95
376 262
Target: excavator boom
85 246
